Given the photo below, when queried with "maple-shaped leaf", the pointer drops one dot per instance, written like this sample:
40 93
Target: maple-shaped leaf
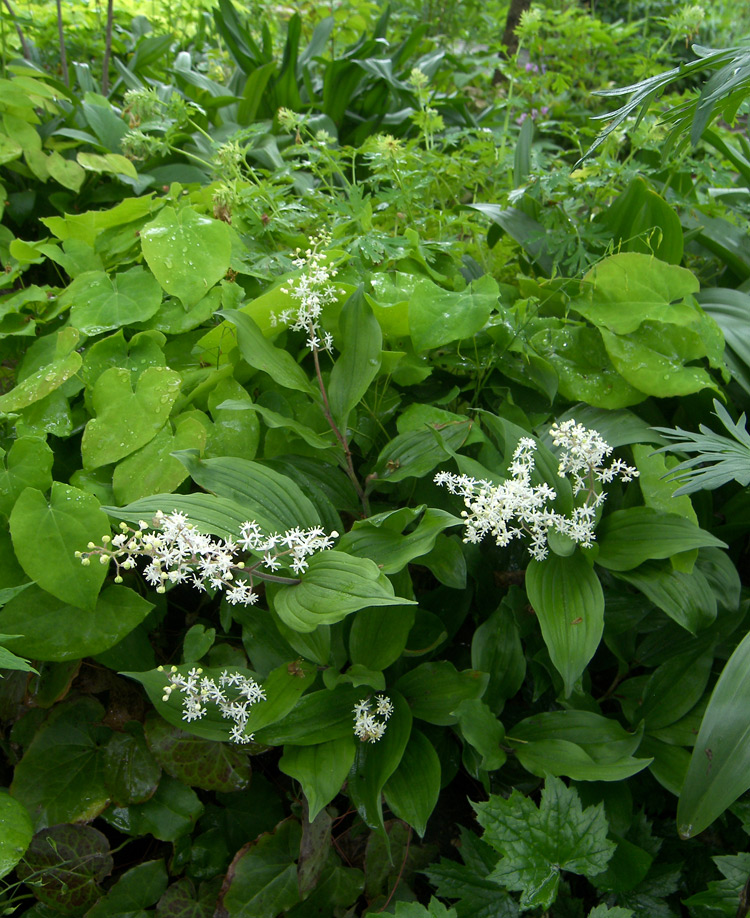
537 844
469 883
435 909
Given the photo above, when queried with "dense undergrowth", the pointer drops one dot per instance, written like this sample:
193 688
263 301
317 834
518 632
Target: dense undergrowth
373 501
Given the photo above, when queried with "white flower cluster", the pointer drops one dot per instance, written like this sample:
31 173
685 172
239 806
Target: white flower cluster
369 725
313 290
179 553
199 690
517 508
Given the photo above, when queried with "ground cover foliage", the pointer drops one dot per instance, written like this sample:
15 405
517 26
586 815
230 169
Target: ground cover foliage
373 498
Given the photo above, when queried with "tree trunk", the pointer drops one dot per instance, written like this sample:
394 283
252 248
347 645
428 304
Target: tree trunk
516 9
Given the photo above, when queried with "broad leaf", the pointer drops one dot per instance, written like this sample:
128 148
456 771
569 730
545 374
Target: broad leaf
538 844
17 831
321 769
413 789
569 603
99 303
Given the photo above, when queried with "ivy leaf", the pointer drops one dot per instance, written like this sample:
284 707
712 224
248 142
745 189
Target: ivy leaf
538 844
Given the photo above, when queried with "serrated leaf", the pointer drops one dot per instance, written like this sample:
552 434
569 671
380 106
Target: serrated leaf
537 844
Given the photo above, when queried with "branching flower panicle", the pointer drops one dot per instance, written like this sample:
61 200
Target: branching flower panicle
369 724
312 289
518 508
179 553
234 696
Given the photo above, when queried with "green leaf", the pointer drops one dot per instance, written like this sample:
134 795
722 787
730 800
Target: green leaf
569 603
212 515
316 718
538 844
478 895
47 533
413 789
108 163
283 687
435 690
16 833
67 863
719 770
482 730
28 465
675 687
627 538
277 421
153 469
724 896
640 220
61 775
333 586
360 343
126 420
258 351
435 909
561 757
601 911
99 303
197 762
169 815
137 889
496 649
374 763
130 771
275 502
41 382
653 358
236 431
584 369
65 171
320 769
417 452
630 288
187 252
59 631
262 879
686 598
381 537
378 636
438 316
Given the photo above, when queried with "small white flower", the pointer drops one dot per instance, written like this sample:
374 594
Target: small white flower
367 727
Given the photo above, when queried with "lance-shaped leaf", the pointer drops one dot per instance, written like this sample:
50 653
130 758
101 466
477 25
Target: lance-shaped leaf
413 789
361 341
320 769
568 600
719 770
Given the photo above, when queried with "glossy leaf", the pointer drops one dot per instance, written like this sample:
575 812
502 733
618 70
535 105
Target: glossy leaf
59 631
568 600
187 252
320 769
46 533
16 831
719 770
333 586
100 303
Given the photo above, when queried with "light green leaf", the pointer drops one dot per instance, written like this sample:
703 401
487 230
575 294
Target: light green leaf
333 586
276 421
438 316
415 453
320 769
47 533
126 420
360 343
65 171
630 288
108 163
40 383
258 351
153 469
187 252
99 303
16 831
28 465
569 603
538 844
